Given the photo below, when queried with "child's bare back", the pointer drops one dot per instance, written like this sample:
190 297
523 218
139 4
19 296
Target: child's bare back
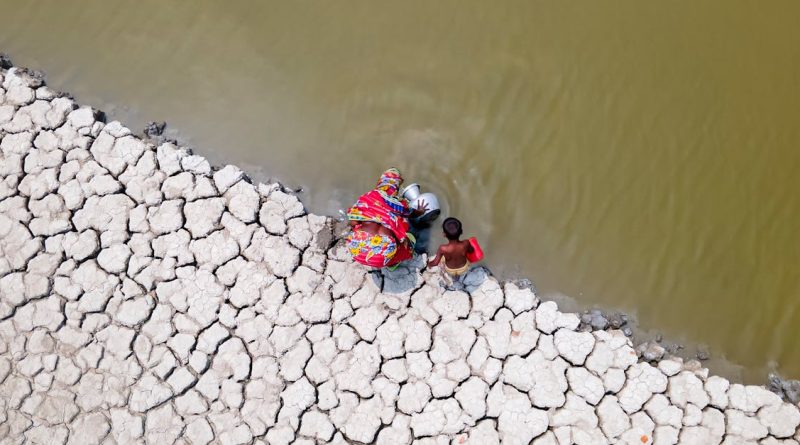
455 251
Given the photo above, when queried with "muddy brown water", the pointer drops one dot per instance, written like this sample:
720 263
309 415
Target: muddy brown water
634 155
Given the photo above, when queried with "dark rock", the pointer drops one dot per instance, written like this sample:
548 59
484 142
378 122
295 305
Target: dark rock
692 365
788 389
703 353
525 283
154 129
775 383
599 322
593 320
340 230
34 78
654 352
659 338
617 321
651 351
791 391
627 331
5 61
326 237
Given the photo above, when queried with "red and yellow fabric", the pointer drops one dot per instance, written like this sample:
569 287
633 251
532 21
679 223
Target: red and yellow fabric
381 205
371 250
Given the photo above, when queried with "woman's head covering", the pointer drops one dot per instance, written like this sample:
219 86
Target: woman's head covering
390 182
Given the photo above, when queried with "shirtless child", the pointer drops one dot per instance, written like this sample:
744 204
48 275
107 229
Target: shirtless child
455 251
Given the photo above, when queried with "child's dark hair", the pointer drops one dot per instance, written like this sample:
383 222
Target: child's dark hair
452 228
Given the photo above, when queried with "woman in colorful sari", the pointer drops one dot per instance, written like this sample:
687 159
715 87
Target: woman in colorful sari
379 220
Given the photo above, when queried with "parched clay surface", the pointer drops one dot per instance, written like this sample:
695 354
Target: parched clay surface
146 297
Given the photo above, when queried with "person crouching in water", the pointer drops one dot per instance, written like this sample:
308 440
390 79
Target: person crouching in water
380 230
455 251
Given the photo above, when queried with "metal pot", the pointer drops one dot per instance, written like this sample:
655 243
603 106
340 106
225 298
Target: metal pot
433 207
411 192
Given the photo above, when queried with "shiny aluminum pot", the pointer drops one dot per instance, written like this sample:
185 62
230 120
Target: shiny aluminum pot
411 192
433 210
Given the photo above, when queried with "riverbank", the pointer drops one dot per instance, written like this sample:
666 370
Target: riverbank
146 296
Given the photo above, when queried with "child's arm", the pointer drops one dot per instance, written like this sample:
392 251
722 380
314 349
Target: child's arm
435 261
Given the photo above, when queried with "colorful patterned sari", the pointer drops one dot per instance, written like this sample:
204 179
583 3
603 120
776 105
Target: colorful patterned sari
381 205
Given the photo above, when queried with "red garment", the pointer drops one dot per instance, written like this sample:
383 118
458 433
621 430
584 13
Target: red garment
376 250
373 206
381 205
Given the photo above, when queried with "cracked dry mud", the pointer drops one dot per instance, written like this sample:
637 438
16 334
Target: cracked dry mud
146 297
